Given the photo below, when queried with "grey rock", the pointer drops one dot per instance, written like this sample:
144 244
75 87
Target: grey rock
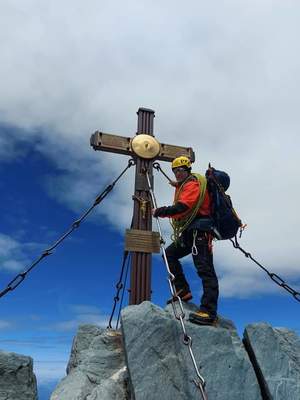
85 335
275 353
97 355
17 380
114 388
159 364
76 386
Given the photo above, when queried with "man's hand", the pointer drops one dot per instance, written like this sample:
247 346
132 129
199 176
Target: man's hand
158 212
173 183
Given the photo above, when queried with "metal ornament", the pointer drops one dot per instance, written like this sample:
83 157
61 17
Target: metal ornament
145 146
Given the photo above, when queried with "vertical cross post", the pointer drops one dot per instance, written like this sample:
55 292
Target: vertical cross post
140 240
141 263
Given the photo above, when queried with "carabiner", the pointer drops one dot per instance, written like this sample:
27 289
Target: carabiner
194 247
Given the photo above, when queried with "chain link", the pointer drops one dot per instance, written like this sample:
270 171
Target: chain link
275 278
157 166
123 291
12 285
187 340
119 286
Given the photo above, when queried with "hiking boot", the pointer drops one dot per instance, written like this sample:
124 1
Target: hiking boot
202 318
184 296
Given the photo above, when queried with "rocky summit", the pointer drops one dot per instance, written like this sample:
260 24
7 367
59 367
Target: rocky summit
160 366
147 360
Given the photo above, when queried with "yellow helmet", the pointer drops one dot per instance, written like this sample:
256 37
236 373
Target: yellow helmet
181 161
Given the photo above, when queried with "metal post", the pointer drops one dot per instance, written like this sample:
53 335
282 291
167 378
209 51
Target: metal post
141 263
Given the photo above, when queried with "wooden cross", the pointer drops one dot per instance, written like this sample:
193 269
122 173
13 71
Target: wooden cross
140 239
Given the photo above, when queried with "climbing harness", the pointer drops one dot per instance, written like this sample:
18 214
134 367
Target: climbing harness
176 302
275 278
47 252
119 286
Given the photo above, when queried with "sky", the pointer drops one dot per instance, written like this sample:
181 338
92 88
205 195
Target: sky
222 77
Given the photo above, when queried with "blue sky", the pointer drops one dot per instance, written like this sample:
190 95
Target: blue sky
223 80
77 283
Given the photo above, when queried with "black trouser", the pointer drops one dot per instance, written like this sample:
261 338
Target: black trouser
203 262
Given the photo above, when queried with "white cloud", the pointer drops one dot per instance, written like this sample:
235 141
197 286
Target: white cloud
6 324
48 371
12 254
84 309
83 314
223 80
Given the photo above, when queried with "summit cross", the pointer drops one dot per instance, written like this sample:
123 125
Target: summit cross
140 239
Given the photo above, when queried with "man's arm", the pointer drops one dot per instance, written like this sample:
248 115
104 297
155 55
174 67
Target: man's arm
177 208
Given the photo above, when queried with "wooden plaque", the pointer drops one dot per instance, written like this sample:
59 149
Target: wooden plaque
142 241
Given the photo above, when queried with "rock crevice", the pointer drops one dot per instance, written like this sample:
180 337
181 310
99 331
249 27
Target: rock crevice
275 355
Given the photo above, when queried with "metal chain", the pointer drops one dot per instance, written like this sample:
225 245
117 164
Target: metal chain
47 252
123 291
275 278
177 303
157 166
119 287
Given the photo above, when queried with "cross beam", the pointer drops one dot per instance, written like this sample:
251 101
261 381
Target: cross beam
141 261
121 145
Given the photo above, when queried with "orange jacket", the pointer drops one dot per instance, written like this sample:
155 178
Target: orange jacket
189 195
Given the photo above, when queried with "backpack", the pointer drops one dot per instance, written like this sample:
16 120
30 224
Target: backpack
226 222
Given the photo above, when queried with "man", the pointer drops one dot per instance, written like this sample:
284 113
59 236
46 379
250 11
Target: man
190 218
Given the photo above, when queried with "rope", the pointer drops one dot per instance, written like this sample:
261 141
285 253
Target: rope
180 225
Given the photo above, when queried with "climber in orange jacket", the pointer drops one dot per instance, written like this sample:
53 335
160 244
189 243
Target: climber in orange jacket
190 218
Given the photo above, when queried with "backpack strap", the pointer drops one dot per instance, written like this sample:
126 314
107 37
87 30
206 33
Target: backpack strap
203 184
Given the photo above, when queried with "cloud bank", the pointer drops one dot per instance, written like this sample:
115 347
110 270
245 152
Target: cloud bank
222 79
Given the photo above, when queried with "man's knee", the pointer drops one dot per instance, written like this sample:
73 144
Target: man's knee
170 254
212 283
206 271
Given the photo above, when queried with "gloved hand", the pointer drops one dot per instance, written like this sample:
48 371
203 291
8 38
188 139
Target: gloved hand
159 212
173 183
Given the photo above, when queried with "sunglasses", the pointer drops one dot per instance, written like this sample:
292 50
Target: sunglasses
179 169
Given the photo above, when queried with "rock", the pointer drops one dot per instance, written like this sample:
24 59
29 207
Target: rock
96 361
275 354
149 360
159 364
17 380
114 388
85 335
